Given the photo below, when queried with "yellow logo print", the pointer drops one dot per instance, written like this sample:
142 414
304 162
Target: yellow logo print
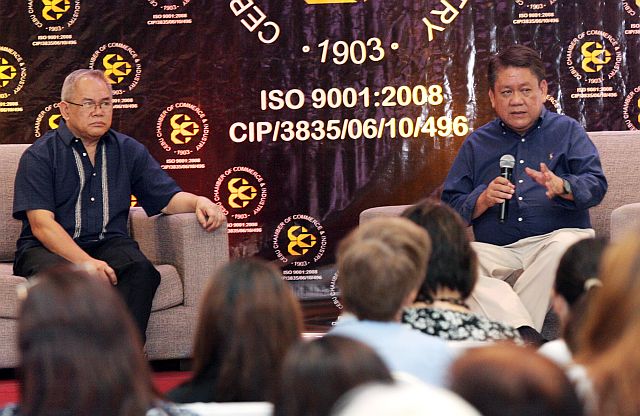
244 193
133 201
595 56
183 126
55 9
115 68
300 243
333 1
639 104
54 121
7 72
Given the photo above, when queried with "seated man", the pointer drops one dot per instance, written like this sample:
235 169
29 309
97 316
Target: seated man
72 192
557 177
381 265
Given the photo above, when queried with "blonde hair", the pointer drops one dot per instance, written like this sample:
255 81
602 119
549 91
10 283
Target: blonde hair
380 264
607 342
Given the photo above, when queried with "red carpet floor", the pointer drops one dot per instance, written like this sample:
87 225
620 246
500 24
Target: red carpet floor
164 381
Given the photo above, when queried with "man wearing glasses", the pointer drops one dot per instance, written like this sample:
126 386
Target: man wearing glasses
72 194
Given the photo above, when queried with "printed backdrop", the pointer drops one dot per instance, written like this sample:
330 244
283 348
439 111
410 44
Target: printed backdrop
295 115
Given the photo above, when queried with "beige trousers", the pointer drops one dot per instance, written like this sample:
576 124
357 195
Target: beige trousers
537 257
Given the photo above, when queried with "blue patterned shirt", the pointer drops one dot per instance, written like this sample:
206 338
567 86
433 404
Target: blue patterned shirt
91 202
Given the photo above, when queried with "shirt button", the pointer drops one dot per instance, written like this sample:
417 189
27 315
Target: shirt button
92 199
84 154
521 161
94 174
520 219
523 140
519 198
520 180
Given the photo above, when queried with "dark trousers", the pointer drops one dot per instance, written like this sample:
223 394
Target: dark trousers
137 278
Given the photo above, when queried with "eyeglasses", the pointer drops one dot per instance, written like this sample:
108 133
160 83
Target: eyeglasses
93 106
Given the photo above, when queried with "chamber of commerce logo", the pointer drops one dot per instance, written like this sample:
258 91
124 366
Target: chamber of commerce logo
594 56
13 72
299 240
631 109
168 5
121 66
182 129
47 119
53 15
241 192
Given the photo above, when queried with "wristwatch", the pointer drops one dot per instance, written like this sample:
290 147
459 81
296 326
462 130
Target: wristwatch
566 187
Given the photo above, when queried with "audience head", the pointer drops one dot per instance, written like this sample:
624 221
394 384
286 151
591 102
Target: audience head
81 353
402 399
452 263
576 282
315 374
608 338
508 380
381 264
249 317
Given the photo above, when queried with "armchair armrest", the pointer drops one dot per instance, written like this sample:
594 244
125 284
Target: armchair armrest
624 219
179 240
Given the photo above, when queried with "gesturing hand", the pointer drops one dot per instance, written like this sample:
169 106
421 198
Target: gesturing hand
548 179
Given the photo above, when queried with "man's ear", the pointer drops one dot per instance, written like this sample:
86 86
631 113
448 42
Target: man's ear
543 87
64 109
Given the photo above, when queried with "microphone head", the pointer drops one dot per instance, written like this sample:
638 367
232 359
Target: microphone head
507 161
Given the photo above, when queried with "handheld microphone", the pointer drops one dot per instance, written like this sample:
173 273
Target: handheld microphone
507 162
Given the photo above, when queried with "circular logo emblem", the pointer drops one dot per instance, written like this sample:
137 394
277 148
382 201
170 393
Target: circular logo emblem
169 4
182 128
631 109
594 56
299 240
47 119
535 5
53 15
13 72
240 191
120 64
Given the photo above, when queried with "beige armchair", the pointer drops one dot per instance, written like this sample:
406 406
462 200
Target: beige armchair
184 254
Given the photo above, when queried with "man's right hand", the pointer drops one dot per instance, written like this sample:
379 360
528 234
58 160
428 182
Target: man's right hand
102 270
498 191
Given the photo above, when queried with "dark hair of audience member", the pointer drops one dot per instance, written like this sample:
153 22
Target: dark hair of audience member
608 339
576 282
452 263
518 56
379 264
81 353
249 317
316 374
508 380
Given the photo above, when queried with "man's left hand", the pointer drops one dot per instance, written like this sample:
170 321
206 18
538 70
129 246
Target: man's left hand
209 214
548 179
